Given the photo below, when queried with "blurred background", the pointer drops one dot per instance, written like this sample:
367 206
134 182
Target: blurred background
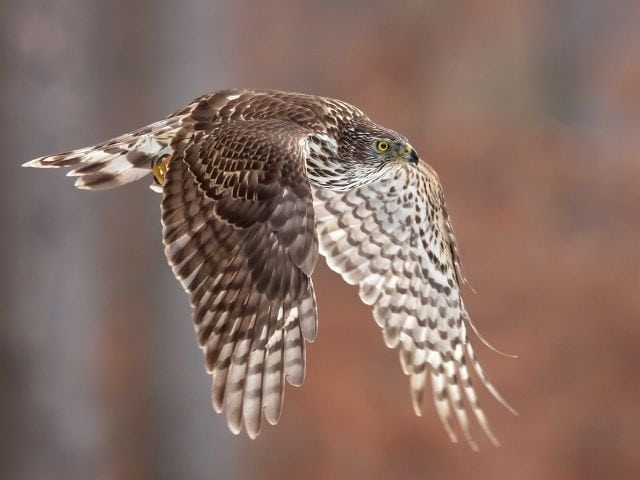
529 111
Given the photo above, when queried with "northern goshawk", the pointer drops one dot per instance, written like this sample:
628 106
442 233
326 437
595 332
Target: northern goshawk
255 184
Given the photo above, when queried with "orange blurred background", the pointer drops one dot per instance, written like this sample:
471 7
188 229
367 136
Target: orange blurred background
528 110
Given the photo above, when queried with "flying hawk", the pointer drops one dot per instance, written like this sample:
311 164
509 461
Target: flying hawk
255 184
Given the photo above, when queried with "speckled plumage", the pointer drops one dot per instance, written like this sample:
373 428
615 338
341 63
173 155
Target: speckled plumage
255 184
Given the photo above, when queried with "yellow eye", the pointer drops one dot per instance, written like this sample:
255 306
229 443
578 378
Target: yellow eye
382 146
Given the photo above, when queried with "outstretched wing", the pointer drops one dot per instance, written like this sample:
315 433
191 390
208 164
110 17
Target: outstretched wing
239 233
394 239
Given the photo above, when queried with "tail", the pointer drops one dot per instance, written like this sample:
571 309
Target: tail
118 161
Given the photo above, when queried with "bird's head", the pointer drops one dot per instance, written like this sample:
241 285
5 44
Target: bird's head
370 144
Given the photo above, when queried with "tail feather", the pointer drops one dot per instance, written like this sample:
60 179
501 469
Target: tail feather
116 162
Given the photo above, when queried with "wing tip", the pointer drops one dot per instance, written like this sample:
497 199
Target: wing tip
252 434
296 379
271 416
467 317
234 427
501 400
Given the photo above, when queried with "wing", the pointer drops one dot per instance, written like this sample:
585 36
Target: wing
394 239
239 233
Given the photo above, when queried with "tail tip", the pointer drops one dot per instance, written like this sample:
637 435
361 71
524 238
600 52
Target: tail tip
35 163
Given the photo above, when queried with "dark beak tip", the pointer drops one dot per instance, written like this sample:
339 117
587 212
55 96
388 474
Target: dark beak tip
413 157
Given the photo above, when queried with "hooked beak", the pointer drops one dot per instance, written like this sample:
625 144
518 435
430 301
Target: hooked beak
411 155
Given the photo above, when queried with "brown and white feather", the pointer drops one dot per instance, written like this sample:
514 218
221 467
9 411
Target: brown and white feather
239 233
393 238
256 184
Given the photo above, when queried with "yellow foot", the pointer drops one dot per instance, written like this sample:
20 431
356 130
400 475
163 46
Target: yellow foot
159 169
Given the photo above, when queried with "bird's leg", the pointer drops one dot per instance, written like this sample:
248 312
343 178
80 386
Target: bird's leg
159 169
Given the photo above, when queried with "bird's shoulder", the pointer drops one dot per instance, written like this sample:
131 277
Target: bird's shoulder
317 113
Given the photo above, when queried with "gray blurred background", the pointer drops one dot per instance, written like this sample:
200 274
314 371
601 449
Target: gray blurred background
529 111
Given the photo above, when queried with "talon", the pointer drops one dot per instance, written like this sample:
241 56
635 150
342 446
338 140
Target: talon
159 169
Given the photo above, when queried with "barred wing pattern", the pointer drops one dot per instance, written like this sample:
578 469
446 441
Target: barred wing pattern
239 233
385 237
118 161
